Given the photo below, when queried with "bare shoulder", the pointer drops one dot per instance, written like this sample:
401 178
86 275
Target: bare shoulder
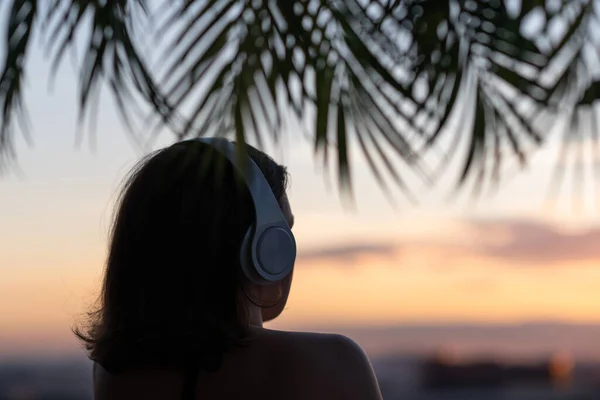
350 369
334 363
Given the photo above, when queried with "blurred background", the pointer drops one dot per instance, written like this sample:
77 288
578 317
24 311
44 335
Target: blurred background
452 298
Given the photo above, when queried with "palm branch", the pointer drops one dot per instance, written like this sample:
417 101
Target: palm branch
392 76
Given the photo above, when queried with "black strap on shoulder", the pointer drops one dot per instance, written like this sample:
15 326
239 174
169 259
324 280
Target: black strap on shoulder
190 383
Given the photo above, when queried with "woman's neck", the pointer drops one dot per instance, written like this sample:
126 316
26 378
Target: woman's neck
254 316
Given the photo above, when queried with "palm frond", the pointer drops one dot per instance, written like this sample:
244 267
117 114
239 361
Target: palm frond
386 75
110 54
22 16
295 54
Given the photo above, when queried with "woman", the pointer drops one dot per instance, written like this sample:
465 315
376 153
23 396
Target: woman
177 316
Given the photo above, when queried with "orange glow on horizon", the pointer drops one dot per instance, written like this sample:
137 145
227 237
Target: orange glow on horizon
424 280
373 291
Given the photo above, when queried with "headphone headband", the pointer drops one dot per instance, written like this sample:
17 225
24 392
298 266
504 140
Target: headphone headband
268 252
266 205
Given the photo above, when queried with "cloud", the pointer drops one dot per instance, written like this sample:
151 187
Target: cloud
530 241
349 253
514 241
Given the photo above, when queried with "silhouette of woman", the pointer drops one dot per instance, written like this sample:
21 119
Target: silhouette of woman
180 317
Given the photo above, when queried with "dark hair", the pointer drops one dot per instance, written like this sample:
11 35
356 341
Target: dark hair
171 290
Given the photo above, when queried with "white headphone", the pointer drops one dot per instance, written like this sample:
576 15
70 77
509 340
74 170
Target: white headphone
268 251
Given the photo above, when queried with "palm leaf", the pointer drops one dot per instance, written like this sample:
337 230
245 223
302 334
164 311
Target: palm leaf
22 15
386 75
110 55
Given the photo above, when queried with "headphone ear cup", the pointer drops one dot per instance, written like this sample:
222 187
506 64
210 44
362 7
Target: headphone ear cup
246 257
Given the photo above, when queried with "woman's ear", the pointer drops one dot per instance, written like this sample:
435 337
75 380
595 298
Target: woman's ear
272 309
267 298
276 307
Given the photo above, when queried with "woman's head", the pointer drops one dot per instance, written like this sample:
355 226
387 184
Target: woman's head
173 288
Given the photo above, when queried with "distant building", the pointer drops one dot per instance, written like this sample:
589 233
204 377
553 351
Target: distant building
444 372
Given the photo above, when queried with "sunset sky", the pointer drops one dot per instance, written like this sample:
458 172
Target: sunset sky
509 257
